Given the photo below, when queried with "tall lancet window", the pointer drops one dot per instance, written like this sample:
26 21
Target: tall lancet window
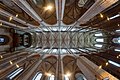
38 76
99 40
98 34
14 73
116 40
80 76
66 78
52 77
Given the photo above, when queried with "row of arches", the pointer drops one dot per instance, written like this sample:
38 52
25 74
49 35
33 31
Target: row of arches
49 67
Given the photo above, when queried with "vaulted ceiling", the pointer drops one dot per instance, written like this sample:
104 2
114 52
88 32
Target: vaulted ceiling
57 33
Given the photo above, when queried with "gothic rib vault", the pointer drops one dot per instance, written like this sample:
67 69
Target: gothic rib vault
57 40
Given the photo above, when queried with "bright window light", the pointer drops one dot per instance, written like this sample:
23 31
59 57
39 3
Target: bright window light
54 29
113 17
15 73
63 51
114 63
116 40
37 30
91 49
118 30
98 45
49 7
66 78
98 34
54 51
37 49
83 50
37 76
73 50
45 29
117 50
63 29
106 78
45 50
52 77
2 40
100 40
67 75
73 29
84 30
